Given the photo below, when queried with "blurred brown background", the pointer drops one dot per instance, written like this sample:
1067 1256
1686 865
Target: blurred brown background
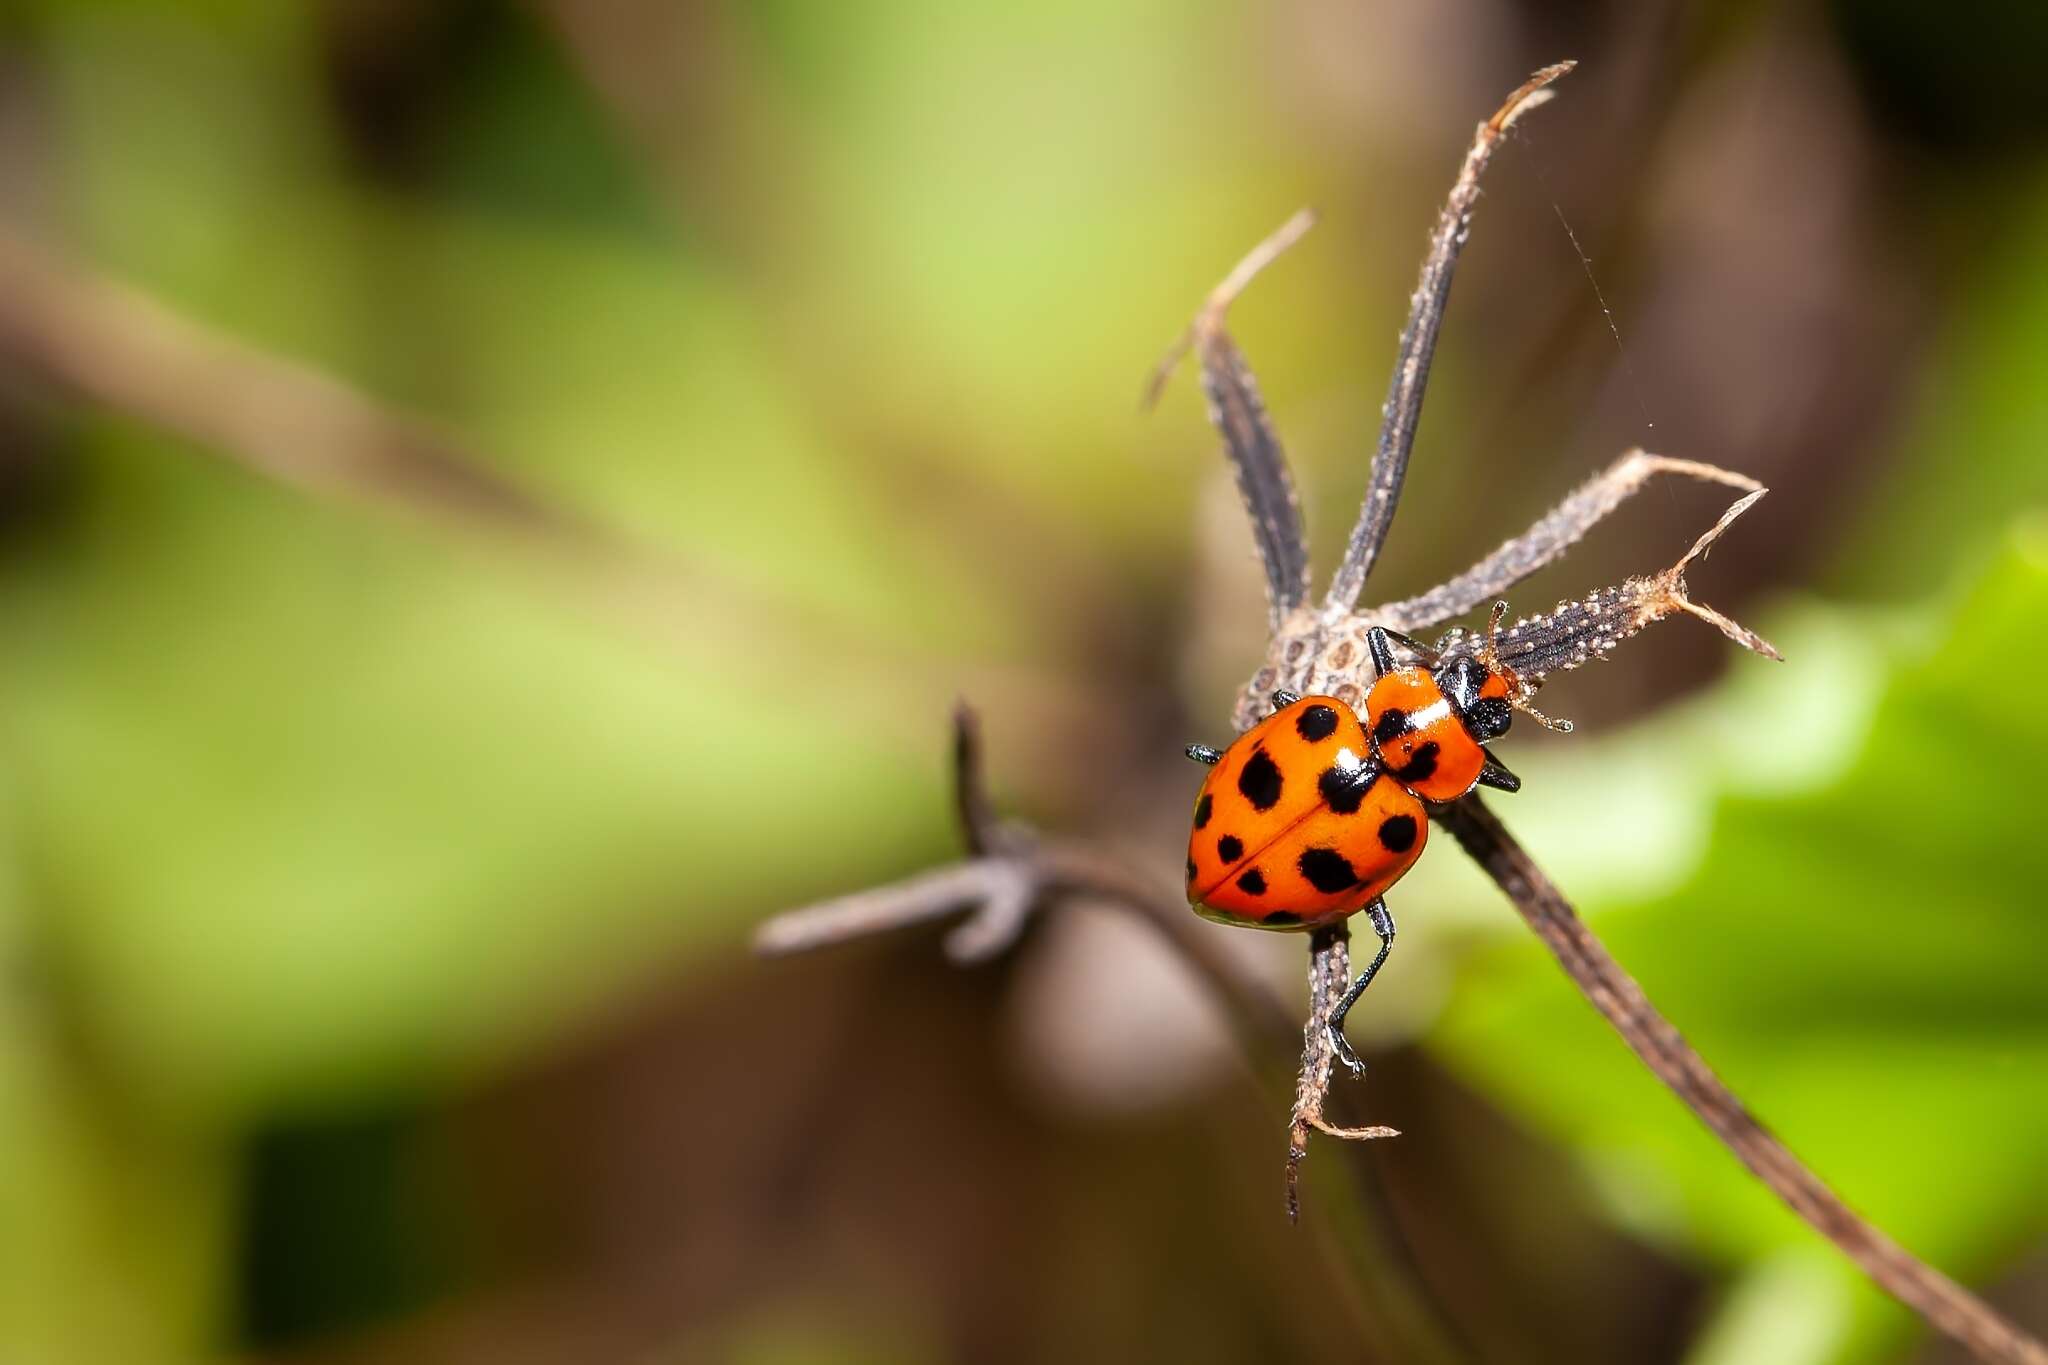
495 500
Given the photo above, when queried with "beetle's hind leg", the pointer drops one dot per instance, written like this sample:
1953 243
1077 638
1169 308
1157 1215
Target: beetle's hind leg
1383 925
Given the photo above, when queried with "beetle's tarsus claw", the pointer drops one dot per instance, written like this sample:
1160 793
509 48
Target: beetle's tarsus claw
1341 1046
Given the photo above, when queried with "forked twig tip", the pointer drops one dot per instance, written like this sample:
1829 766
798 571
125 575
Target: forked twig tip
1155 382
1210 319
1366 1134
1650 462
1673 581
1713 533
1529 95
979 827
1246 270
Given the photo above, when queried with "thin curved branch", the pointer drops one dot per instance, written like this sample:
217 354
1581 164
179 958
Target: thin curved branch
1403 408
1946 1305
1239 415
1011 873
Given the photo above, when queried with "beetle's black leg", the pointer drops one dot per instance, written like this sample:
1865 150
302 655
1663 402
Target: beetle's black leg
1383 925
1496 775
1377 640
1202 753
1409 640
1282 698
1382 653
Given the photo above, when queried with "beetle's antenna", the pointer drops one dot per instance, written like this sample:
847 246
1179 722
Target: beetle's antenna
1519 692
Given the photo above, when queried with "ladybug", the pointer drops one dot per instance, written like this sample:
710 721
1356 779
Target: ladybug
1312 814
1299 825
1429 729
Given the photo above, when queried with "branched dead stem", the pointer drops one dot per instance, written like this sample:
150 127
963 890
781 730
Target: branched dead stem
1012 872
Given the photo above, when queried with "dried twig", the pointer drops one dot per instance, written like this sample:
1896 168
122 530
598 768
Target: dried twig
1012 872
1573 634
1329 972
1418 344
1941 1301
1552 534
1238 412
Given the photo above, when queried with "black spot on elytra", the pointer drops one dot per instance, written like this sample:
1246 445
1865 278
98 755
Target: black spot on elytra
1327 870
1252 883
1260 781
1202 811
1229 848
1391 723
1191 869
1345 788
1421 766
1281 917
1397 833
1316 723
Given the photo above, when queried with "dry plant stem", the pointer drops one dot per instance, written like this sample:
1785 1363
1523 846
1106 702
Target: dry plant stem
1310 655
1403 408
980 830
1329 972
998 893
1546 540
1941 1301
1576 633
1239 414
1013 873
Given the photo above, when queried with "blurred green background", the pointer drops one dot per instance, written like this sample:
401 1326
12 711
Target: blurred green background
375 881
